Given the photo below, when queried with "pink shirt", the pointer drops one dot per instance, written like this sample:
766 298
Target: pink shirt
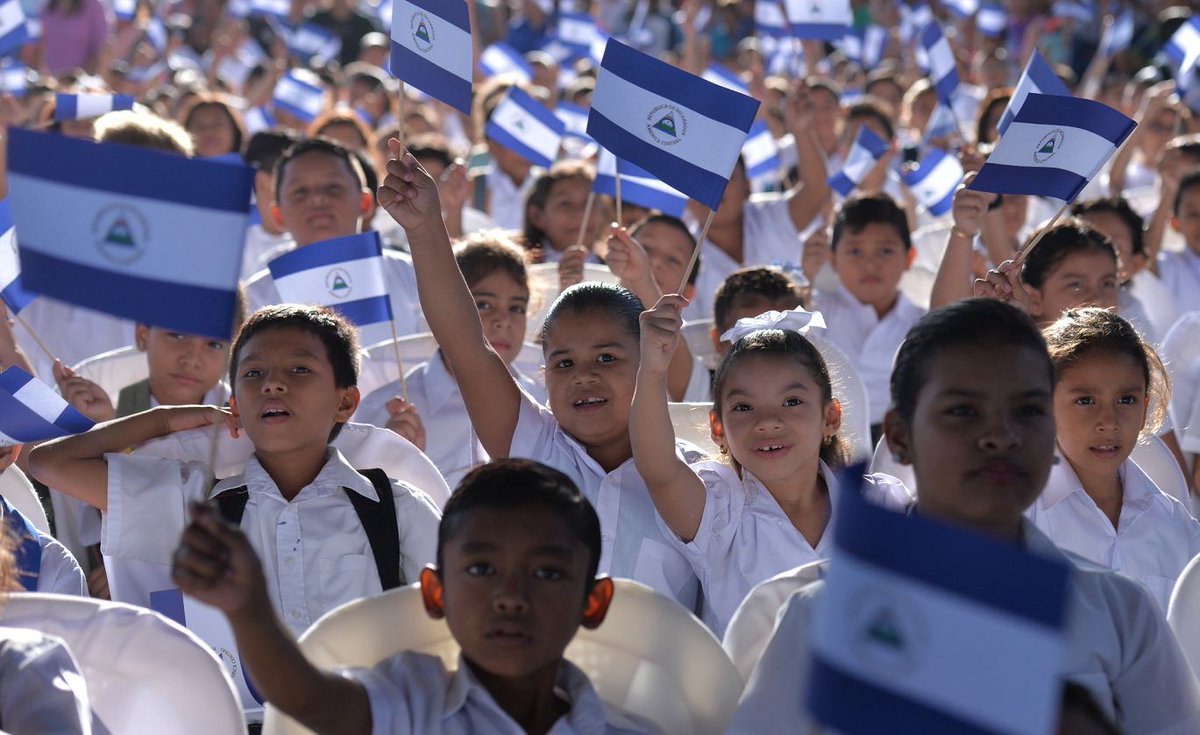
71 41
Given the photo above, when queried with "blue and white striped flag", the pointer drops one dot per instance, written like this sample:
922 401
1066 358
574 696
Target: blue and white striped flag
962 8
431 49
15 297
1183 50
913 19
156 35
1038 78
297 97
310 42
277 9
1119 35
12 78
864 154
826 20
33 27
991 20
135 233
257 118
88 106
770 21
874 43
682 129
1053 148
124 9
14 31
525 126
760 152
345 274
718 74
909 609
500 58
637 186
574 119
31 411
941 124
578 32
943 72
934 180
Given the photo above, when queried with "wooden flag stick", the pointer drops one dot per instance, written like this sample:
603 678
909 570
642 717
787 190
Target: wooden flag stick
696 253
587 215
36 338
400 117
1025 251
957 123
399 363
618 193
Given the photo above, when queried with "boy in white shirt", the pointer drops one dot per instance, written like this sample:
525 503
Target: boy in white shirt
329 532
263 150
515 578
1180 272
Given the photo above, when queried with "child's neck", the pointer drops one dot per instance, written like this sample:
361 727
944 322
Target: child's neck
612 455
292 471
530 700
1105 490
805 500
883 307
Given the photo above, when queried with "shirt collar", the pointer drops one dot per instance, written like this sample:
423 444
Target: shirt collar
586 713
1136 487
1062 483
335 473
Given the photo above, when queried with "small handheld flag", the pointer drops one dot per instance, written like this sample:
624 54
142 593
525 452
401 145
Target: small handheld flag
943 72
574 118
760 152
298 97
864 154
31 411
1038 78
156 34
310 42
577 32
500 58
14 296
431 49
272 9
827 20
991 20
12 78
525 126
88 106
344 274
124 9
1119 35
934 180
138 234
14 31
637 186
1183 50
718 74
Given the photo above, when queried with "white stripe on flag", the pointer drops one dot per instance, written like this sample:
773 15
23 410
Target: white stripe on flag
451 48
154 226
527 128
1080 151
11 17
88 106
837 637
363 279
39 398
709 144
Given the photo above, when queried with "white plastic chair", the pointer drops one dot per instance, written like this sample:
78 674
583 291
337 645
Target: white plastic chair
690 421
1156 460
144 673
116 369
650 657
18 491
543 290
849 389
698 334
881 461
379 360
750 627
1183 613
1181 352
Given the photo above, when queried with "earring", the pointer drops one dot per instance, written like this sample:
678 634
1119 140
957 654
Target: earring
723 449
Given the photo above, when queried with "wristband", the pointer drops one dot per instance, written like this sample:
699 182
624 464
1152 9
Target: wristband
963 235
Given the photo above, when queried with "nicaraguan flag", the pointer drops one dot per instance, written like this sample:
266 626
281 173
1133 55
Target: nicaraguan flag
311 42
760 153
934 180
431 49
256 119
31 411
1119 35
718 74
88 106
913 19
823 19
941 123
12 78
864 153
574 119
680 128
962 8
942 70
578 32
770 21
14 31
500 58
124 9
277 9
637 186
1038 78
135 233
1183 50
298 98
345 274
14 296
1053 148
991 20
909 609
526 127
383 11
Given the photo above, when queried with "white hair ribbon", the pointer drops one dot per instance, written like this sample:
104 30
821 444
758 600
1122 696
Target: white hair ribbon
796 320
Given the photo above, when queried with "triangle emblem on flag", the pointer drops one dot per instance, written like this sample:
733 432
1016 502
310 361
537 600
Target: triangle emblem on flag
666 124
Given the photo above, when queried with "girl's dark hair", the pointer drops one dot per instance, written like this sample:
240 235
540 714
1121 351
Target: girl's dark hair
1067 238
969 323
531 235
481 254
330 118
1190 180
1119 206
615 301
1082 332
783 343
217 102
993 103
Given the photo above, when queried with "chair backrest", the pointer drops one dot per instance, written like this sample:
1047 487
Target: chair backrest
852 393
144 673
1181 353
698 334
17 490
881 461
1156 460
750 628
543 289
379 360
1183 613
115 369
690 421
650 657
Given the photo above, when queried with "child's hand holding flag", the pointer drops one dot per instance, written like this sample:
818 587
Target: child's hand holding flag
409 194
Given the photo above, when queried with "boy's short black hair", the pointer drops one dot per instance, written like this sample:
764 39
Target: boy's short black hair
1066 238
861 210
1190 179
507 484
1119 206
265 147
679 226
769 283
320 145
481 254
873 108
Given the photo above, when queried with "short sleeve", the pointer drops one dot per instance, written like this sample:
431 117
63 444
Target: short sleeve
147 505
724 503
418 518
533 437
406 693
60 573
41 688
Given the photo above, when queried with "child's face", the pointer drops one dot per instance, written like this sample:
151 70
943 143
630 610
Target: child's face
981 438
747 306
502 303
212 130
285 394
1081 279
1187 218
562 215
591 365
1100 408
870 263
514 585
320 199
1114 228
773 418
669 251
183 367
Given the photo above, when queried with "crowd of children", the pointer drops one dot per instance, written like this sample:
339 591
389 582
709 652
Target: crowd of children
536 451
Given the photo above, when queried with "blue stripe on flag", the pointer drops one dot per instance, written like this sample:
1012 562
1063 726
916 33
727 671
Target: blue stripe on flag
430 78
170 604
193 309
1072 112
822 31
329 252
365 311
836 698
1048 182
22 423
499 135
634 191
841 183
120 169
453 11
19 35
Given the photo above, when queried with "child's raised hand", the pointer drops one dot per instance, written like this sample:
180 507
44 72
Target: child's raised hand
216 565
661 328
84 396
454 187
816 252
185 418
405 421
1004 283
570 267
408 193
627 259
970 207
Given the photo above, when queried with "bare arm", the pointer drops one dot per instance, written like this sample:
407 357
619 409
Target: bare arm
953 280
491 395
809 200
677 492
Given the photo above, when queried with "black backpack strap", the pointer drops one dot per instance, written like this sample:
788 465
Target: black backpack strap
378 519
232 504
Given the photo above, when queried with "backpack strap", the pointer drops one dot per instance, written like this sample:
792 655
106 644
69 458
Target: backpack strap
232 504
29 549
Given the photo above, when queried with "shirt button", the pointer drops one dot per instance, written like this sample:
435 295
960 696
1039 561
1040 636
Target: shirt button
289 561
604 537
295 614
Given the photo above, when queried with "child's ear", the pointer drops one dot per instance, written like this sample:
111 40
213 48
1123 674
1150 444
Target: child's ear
909 257
716 430
275 215
598 600
1035 303
833 418
1174 223
365 201
140 334
689 293
348 403
8 455
431 593
895 432
233 408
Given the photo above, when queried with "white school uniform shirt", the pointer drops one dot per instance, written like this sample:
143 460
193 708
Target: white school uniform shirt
869 341
413 694
261 246
507 200
450 442
1180 273
402 291
1118 647
42 691
632 545
59 572
1154 539
699 387
768 237
71 332
745 538
1156 304
314 551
